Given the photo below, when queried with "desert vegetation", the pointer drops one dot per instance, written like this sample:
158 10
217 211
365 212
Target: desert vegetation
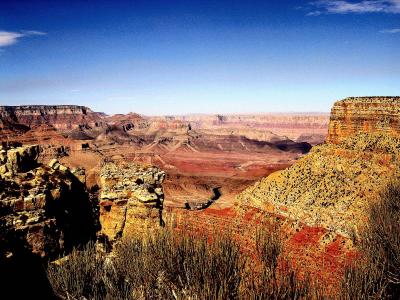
170 264
377 275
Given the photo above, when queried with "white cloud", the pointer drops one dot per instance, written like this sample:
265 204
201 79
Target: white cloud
8 38
356 7
394 30
33 32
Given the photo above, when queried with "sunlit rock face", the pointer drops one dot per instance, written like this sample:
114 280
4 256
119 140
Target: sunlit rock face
332 186
59 116
131 199
44 210
364 114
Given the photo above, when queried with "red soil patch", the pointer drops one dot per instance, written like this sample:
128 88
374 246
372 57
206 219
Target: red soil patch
307 236
225 212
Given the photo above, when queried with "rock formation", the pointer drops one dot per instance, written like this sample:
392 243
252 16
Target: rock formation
59 116
332 186
291 125
200 152
131 199
44 210
364 114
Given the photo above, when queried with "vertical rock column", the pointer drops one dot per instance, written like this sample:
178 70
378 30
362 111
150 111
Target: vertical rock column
131 199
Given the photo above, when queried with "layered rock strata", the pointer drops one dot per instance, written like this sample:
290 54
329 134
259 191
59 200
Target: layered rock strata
334 184
59 116
44 210
131 199
364 114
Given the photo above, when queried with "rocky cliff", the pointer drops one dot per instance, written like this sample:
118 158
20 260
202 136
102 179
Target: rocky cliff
44 210
364 114
332 186
63 117
131 199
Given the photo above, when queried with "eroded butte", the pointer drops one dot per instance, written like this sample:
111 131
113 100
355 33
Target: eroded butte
201 154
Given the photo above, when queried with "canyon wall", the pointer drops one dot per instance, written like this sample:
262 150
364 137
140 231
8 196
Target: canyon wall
321 202
64 117
308 127
364 114
332 186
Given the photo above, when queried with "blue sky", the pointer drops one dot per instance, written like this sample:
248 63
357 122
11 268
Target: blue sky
177 57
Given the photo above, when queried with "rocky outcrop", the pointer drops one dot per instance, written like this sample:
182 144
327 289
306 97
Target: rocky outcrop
44 210
364 114
131 199
332 186
18 159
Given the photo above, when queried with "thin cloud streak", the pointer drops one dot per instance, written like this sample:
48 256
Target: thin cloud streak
9 38
346 7
390 31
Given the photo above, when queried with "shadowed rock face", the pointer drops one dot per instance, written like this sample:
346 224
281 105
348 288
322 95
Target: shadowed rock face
364 114
131 199
44 210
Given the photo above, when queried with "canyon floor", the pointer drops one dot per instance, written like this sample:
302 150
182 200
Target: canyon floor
201 154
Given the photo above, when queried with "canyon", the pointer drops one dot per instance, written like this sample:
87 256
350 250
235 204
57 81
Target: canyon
198 152
70 175
321 202
235 173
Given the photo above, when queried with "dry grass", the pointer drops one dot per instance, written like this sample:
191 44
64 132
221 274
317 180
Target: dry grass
171 265
377 274
180 265
275 277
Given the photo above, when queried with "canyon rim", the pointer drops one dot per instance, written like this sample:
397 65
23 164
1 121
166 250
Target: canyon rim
199 149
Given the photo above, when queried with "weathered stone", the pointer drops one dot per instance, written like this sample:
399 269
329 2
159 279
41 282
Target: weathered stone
43 211
332 186
80 174
131 199
364 114
20 159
